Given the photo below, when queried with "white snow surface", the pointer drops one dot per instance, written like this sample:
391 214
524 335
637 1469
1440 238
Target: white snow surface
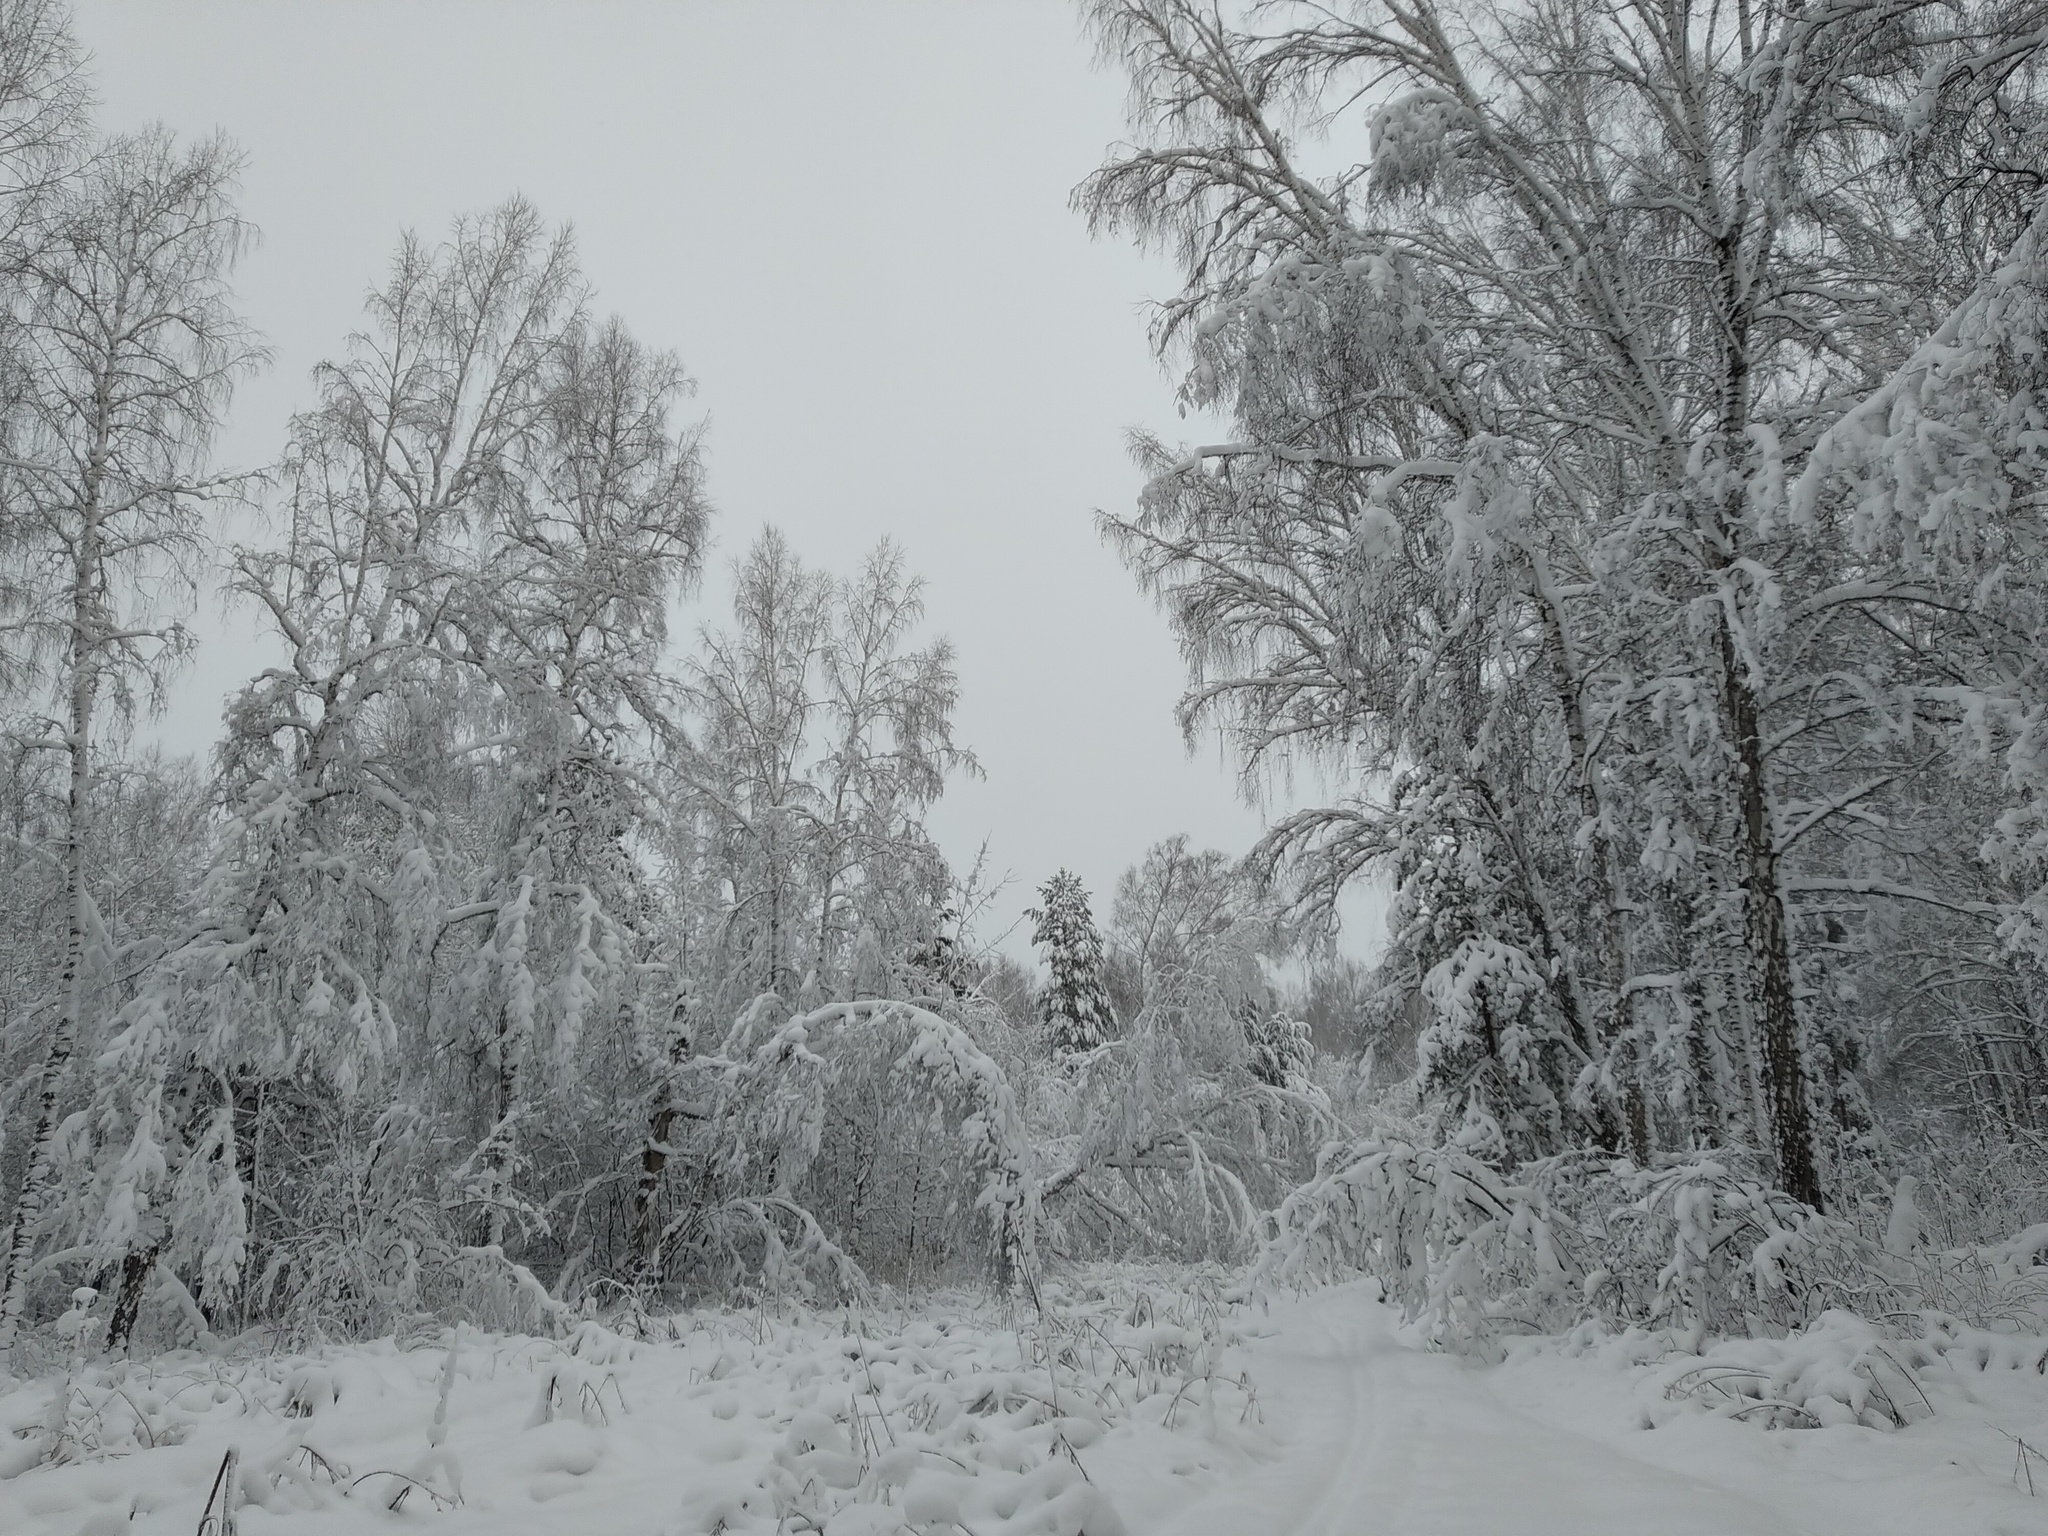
1132 1407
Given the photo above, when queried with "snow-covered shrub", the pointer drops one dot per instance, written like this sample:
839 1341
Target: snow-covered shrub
1697 1247
1171 1140
936 1423
1470 1252
371 1248
1447 1236
859 1134
1841 1370
751 1420
857 1139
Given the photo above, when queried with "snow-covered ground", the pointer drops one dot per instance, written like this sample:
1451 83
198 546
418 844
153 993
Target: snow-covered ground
1381 1437
1135 1405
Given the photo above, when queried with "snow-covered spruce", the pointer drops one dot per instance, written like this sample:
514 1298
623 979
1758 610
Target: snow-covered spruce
1074 1004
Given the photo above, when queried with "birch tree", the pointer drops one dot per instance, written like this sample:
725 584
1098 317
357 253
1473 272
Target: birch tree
1517 389
823 736
802 881
427 917
43 131
132 349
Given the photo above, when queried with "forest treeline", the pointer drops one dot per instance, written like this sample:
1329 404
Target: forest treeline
1633 501
509 951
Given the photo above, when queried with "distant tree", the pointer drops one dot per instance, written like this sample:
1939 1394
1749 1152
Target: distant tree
1074 1005
1350 1007
1175 904
1181 909
1205 1111
943 959
822 735
1281 1049
1009 986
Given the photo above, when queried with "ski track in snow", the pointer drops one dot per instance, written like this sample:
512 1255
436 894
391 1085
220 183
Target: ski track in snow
1397 1442
1386 1439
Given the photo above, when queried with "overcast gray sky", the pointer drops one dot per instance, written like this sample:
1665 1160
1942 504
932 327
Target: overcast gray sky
851 222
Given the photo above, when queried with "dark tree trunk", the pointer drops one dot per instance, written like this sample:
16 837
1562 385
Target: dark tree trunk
1768 944
136 1267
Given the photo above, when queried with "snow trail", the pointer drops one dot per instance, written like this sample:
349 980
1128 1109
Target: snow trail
1382 1438
1310 1416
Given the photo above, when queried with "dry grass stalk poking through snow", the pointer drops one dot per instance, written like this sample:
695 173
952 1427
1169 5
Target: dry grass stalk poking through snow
862 1420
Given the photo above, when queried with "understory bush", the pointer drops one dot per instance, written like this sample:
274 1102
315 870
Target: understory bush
1697 1246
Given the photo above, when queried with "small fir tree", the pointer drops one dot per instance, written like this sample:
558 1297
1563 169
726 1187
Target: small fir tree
1279 1049
1074 1003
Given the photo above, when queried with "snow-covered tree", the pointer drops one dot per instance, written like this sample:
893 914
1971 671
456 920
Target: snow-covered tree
1073 1005
129 349
800 872
823 735
427 939
1524 363
1178 906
